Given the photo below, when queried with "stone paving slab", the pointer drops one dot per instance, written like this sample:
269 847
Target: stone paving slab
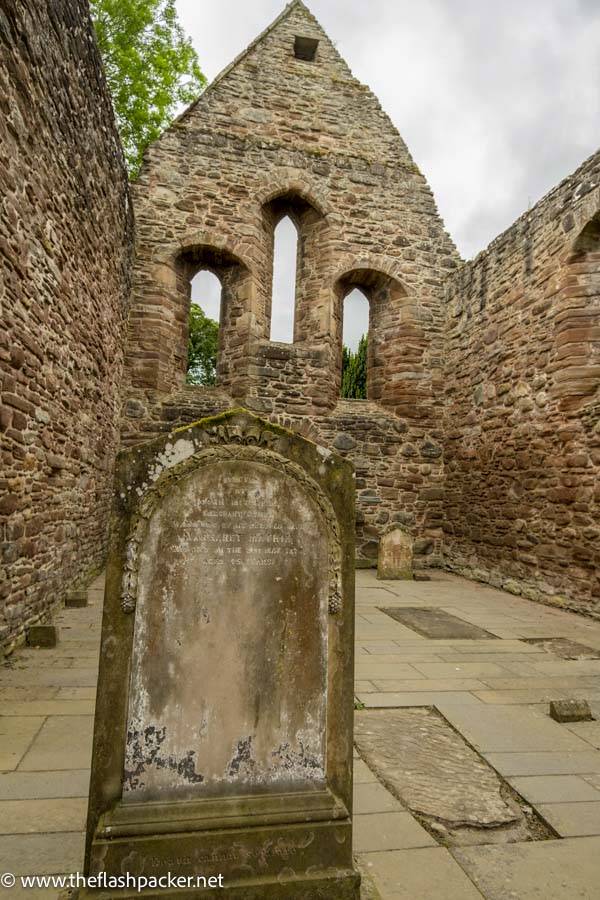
399 659
589 731
400 686
388 831
495 729
40 816
425 874
42 854
501 659
16 736
24 692
63 742
53 677
44 785
362 773
374 669
548 681
555 789
76 693
380 647
373 798
545 763
573 819
539 695
542 870
377 700
435 622
489 648
47 708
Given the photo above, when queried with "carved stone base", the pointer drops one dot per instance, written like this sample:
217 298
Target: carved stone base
276 862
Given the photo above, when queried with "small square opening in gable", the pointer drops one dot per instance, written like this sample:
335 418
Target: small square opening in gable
305 48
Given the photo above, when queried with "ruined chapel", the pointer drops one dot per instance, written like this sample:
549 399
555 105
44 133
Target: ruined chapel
480 435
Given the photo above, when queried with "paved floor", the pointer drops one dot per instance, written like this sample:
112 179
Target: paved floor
494 692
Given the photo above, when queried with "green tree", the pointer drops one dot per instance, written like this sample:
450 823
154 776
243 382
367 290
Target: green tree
151 68
354 371
202 348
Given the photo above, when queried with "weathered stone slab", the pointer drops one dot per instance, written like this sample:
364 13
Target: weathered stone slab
570 711
42 635
223 733
76 599
431 768
395 557
432 622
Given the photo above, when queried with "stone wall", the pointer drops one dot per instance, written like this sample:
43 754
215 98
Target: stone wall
278 135
65 241
522 448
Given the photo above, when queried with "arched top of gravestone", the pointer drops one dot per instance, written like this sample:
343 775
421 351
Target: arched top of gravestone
148 472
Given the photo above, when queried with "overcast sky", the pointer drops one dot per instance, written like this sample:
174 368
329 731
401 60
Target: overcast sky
498 100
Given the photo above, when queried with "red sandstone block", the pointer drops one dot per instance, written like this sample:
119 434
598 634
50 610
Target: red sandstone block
17 402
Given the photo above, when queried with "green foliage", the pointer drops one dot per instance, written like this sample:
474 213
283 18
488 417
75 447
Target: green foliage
151 68
202 348
354 371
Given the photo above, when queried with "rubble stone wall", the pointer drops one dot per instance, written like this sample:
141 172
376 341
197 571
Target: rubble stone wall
65 243
522 424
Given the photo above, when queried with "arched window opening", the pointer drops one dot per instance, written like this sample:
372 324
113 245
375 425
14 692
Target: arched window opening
205 316
588 241
355 330
283 303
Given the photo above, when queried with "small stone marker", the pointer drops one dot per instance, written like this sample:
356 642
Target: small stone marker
45 636
76 599
223 736
571 711
395 554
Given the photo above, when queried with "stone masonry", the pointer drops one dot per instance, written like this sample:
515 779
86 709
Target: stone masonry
277 135
495 363
480 435
522 436
65 241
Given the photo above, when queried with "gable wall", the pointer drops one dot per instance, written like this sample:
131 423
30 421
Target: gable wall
212 188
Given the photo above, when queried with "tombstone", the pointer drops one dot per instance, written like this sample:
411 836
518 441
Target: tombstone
395 554
223 732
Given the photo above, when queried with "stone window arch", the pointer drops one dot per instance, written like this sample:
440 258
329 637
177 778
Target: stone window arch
389 318
310 320
235 282
205 314
355 326
283 288
576 357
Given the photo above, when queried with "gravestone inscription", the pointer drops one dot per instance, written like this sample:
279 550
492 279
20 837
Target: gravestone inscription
223 740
